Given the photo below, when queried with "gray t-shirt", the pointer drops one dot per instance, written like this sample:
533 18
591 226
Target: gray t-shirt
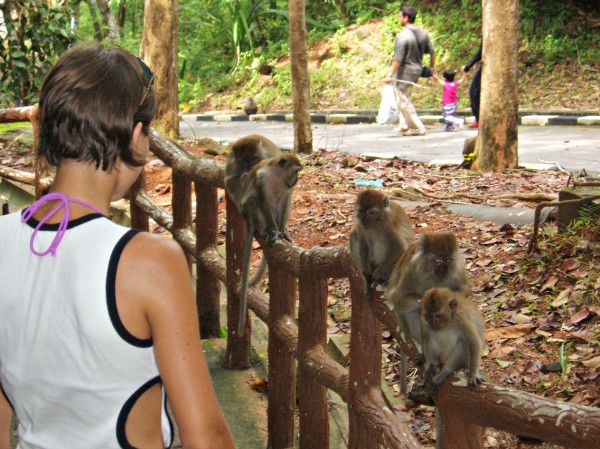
406 52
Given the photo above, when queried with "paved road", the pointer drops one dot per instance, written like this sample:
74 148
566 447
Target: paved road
572 147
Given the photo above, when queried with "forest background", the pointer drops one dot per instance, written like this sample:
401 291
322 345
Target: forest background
230 50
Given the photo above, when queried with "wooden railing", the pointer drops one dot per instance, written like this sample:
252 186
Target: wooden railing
297 349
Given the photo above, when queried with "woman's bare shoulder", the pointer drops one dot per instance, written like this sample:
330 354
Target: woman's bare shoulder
154 261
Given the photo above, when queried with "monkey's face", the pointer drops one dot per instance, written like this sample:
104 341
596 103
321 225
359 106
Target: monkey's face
293 178
441 264
369 215
289 166
437 320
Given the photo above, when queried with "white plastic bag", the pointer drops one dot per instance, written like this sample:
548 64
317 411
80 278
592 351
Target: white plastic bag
388 109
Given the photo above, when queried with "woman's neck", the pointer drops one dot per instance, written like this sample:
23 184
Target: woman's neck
82 182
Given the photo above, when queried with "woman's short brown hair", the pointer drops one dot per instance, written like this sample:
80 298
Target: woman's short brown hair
90 104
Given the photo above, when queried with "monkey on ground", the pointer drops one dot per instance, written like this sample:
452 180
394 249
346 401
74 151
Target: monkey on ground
250 108
265 204
453 332
381 232
244 154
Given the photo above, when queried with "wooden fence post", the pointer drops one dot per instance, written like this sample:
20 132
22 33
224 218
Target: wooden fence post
181 200
282 364
208 288
139 217
238 346
365 365
312 395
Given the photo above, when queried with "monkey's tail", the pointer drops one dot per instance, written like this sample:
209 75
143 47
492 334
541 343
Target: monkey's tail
260 271
244 282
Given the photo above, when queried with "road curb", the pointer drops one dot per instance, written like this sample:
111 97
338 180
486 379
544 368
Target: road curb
366 118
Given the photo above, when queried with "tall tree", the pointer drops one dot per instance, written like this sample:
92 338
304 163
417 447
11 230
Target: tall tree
109 20
300 77
159 51
93 7
497 142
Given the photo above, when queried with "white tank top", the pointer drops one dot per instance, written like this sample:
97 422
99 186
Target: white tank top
68 366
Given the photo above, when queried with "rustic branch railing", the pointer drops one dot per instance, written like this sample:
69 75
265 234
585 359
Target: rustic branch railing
464 412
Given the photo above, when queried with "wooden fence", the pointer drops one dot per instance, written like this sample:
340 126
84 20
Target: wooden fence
297 349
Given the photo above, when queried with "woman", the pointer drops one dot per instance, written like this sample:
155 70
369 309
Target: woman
98 322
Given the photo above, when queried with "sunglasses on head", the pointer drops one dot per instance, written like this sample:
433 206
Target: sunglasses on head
149 77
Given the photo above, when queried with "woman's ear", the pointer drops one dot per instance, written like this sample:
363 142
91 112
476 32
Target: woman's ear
137 132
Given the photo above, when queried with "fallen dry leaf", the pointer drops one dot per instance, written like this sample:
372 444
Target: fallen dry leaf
593 364
550 282
516 331
580 316
501 352
569 264
562 298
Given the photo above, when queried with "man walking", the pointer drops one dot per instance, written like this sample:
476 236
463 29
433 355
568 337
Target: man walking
407 66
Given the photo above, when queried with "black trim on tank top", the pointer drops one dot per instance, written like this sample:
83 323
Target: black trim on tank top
111 296
32 222
126 410
172 430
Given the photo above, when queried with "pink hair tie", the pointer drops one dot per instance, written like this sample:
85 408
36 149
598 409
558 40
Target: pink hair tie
64 221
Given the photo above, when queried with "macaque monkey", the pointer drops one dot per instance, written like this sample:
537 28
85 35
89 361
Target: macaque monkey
453 336
250 107
265 204
432 261
381 232
244 154
468 152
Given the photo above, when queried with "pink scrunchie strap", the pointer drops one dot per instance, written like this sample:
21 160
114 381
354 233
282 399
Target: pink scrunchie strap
64 221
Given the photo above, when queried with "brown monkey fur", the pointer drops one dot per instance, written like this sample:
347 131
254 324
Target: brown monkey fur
244 154
381 232
432 261
250 108
265 204
453 336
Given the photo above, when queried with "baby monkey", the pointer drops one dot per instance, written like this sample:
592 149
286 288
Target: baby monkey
265 204
453 336
381 232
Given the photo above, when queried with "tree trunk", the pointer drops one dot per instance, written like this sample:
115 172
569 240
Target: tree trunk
159 51
496 148
93 7
300 78
109 20
122 13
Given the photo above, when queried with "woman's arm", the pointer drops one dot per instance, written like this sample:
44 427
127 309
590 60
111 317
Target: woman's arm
170 309
5 418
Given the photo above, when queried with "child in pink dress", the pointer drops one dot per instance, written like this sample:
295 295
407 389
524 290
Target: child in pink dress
449 99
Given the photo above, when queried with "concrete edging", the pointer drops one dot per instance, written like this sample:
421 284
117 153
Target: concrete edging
365 118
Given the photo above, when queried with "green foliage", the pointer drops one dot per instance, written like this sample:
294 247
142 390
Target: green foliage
36 35
283 80
223 43
588 214
564 353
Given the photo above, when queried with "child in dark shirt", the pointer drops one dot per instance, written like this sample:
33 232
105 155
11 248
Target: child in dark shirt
449 98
